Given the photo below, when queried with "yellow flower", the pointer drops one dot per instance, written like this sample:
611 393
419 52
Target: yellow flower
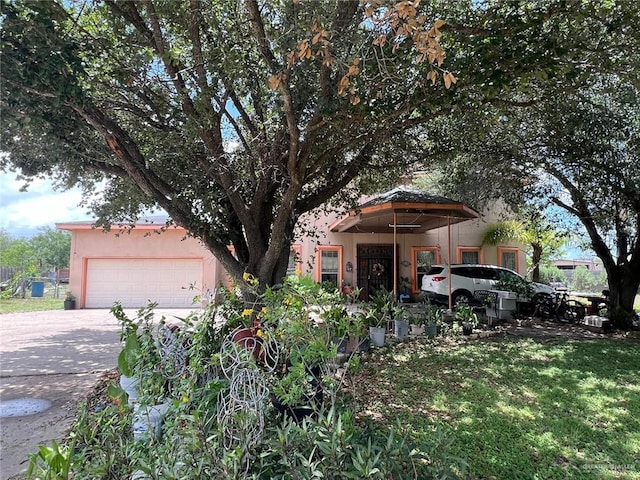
185 399
264 311
250 279
298 272
247 312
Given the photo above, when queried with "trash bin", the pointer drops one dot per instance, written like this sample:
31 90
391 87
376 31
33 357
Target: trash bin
37 289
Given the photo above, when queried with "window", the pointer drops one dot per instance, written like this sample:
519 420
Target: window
421 260
469 255
508 258
295 260
328 264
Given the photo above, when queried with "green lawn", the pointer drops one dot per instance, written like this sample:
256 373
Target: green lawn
516 408
16 305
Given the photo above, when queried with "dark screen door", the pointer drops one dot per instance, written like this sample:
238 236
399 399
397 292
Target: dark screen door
375 268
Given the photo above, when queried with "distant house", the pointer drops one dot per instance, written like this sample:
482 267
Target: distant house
357 248
569 266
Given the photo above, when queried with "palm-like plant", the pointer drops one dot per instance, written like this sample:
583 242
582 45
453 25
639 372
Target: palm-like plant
536 231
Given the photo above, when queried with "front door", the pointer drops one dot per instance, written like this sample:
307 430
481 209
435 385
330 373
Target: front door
375 269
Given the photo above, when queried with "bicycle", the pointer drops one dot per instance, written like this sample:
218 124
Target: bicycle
560 307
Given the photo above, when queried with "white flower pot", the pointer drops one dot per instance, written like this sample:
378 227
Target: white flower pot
130 385
377 336
417 329
147 421
401 328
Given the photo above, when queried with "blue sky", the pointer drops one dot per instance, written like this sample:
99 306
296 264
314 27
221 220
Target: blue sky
23 213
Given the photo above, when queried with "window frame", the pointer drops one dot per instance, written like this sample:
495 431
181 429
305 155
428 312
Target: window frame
515 250
415 288
318 262
461 250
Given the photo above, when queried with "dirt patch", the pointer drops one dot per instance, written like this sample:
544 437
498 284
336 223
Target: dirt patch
21 436
538 328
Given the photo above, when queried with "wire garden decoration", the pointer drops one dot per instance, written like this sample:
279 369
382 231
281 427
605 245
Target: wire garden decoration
245 363
173 352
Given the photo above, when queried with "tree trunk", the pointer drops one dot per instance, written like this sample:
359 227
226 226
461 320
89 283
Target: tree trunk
535 261
623 288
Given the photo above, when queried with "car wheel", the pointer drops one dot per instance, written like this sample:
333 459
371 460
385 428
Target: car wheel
461 296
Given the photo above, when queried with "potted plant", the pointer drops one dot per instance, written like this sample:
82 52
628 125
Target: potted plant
405 285
490 305
467 317
297 390
339 324
400 324
141 382
377 320
69 300
416 326
360 332
433 317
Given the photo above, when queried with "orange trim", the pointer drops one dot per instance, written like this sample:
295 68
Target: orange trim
319 250
515 250
459 251
90 226
83 283
419 206
415 288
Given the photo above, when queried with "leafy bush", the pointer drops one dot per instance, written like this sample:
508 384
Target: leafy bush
583 280
235 411
551 273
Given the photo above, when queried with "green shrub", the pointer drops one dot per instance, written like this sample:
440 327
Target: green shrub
223 421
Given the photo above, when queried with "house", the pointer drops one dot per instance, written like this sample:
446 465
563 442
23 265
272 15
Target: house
152 262
569 266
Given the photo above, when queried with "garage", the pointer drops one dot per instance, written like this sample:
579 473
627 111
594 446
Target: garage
134 281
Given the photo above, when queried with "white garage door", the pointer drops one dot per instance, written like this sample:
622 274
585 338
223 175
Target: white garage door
133 282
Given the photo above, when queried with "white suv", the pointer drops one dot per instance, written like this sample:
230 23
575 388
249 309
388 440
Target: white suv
469 279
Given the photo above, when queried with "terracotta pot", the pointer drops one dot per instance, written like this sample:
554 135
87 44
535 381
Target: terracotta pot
246 338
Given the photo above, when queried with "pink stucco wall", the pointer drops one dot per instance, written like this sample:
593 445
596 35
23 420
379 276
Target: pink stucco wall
146 242
464 234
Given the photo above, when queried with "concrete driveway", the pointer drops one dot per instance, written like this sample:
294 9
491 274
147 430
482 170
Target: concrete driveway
56 356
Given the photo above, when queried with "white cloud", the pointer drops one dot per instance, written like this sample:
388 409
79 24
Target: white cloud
22 213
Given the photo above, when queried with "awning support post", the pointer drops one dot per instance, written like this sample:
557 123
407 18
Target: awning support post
449 261
395 254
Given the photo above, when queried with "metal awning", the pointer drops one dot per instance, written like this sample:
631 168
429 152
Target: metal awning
405 210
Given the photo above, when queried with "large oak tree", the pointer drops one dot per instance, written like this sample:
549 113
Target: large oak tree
576 156
237 117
